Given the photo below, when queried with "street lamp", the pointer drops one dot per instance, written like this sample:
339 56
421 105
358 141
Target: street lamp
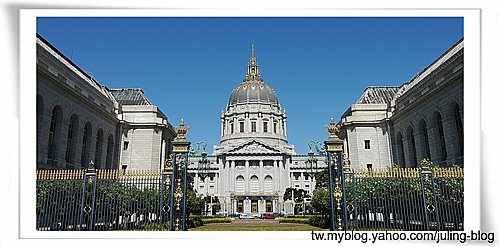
311 162
203 164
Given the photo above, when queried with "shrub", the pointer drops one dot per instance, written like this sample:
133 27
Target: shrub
194 221
216 220
294 220
319 221
298 216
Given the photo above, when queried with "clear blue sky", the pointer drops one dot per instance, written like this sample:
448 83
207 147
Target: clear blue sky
188 66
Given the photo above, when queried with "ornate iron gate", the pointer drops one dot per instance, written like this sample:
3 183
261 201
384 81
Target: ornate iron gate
101 200
416 199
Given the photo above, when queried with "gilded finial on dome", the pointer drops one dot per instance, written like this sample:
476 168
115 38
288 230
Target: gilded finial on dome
253 73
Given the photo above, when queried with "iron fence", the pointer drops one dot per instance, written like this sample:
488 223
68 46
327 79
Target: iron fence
403 199
101 200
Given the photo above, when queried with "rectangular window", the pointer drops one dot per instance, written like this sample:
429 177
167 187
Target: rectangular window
264 126
268 163
125 145
254 127
253 163
242 127
232 128
239 163
306 176
296 175
211 176
367 144
369 166
275 126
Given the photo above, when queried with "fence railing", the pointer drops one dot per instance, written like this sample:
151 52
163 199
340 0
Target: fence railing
100 200
404 199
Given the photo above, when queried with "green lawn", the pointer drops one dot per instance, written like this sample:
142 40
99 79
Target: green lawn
256 227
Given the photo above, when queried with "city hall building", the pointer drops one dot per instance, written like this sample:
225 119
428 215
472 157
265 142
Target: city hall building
79 120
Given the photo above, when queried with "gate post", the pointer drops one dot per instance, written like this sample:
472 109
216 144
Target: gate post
166 183
334 149
179 180
86 209
431 209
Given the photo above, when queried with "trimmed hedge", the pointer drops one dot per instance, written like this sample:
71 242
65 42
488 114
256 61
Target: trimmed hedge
299 216
215 220
294 220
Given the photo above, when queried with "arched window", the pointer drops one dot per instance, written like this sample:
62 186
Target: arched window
459 127
442 140
54 133
240 184
426 151
109 152
268 184
254 184
98 149
87 135
401 150
412 149
70 142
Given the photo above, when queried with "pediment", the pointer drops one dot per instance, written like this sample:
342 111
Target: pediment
254 147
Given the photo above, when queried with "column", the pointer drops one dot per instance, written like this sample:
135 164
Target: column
284 126
222 125
261 206
276 177
162 153
247 205
434 142
230 176
247 176
451 139
419 144
302 180
261 175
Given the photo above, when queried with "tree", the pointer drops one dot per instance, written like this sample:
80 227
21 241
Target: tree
322 179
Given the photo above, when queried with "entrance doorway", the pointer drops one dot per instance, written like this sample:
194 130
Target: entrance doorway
269 206
255 207
240 206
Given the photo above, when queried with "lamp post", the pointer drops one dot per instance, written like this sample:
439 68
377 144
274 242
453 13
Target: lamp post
179 180
334 149
311 168
203 165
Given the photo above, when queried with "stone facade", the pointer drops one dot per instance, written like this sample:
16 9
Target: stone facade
422 118
80 120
